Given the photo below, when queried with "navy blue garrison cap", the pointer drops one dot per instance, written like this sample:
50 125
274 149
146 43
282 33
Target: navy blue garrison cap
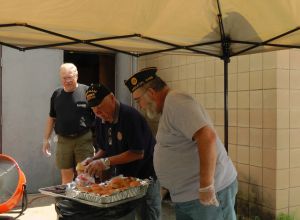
141 78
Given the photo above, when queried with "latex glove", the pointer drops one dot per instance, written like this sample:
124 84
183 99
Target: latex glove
46 147
84 179
207 196
95 168
87 161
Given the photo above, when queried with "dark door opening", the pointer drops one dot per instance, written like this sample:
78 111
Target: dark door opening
93 68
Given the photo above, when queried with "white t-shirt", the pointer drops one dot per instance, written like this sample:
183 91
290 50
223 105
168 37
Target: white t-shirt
176 159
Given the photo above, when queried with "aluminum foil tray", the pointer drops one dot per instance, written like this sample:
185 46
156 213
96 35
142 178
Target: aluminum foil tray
68 191
120 195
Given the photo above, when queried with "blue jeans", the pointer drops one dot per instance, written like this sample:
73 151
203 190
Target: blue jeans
150 208
194 210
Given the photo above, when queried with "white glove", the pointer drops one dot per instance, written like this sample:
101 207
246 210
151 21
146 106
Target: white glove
86 161
207 196
95 168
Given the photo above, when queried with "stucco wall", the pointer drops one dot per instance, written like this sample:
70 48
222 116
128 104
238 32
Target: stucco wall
125 67
29 79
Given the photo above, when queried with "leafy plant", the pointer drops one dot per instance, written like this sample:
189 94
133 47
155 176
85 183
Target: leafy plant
283 216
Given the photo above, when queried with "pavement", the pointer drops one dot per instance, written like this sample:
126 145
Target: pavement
41 207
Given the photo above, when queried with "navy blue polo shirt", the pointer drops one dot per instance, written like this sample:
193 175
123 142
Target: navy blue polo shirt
129 132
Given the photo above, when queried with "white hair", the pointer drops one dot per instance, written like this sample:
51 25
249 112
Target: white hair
66 67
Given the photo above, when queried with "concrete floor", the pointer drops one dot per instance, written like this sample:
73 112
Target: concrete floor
41 207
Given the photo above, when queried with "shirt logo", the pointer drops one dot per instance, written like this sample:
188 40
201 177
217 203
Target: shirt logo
83 105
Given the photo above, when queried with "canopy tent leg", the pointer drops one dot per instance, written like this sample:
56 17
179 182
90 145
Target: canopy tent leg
226 59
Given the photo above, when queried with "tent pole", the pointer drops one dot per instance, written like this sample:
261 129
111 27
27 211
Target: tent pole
226 58
226 61
225 43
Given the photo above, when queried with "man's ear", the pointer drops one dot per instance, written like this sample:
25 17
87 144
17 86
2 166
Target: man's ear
151 92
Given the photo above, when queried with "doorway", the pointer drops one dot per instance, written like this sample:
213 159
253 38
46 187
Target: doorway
93 68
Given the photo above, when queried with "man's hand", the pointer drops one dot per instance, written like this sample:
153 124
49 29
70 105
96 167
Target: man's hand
95 168
87 161
207 196
46 147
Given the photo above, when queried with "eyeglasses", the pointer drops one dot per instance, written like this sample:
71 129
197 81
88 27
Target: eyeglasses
68 78
138 99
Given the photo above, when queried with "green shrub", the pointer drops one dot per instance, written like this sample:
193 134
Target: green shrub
283 216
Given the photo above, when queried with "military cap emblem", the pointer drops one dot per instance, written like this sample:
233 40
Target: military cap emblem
133 81
141 78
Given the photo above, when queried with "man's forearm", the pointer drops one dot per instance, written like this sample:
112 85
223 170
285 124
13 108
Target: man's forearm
99 155
206 141
49 128
126 157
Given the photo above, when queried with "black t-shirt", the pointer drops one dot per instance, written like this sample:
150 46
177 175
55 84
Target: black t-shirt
131 132
70 111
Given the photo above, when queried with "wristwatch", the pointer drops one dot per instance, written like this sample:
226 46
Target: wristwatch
106 163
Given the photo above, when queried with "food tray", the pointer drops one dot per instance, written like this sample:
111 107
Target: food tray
67 191
120 195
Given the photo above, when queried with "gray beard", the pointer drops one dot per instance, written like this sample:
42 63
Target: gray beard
151 112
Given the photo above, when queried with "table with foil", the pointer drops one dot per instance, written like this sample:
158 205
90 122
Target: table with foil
69 191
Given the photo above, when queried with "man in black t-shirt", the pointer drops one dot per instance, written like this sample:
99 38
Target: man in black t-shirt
126 143
71 119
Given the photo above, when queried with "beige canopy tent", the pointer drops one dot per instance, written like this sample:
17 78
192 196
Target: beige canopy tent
219 28
142 26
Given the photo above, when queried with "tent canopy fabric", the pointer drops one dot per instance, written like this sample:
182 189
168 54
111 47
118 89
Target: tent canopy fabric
219 28
139 27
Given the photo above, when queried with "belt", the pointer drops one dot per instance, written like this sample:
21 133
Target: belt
75 135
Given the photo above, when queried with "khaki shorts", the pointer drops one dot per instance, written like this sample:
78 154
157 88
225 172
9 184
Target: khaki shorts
70 151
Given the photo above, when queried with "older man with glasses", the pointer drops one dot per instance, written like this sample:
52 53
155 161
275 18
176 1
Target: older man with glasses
71 119
189 158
